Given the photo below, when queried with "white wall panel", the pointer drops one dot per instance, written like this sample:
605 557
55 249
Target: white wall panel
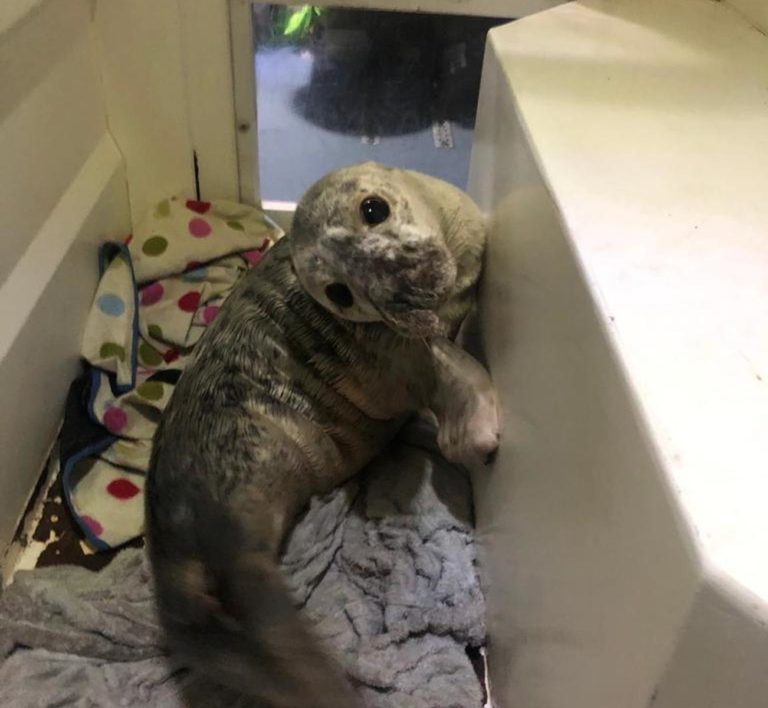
141 59
62 191
622 149
167 77
51 116
756 11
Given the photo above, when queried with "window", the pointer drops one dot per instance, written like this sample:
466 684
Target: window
336 86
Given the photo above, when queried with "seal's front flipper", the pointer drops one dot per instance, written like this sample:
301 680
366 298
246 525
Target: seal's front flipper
465 403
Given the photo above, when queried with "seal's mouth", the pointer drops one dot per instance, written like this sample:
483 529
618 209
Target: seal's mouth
411 322
415 324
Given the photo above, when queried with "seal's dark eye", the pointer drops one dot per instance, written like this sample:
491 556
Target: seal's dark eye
374 210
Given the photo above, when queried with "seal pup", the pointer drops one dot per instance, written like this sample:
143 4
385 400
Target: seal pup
313 363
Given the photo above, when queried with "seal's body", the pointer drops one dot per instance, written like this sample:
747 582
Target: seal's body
310 368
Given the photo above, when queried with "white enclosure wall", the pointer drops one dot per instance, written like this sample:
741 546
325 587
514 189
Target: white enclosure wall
168 94
575 519
63 190
622 149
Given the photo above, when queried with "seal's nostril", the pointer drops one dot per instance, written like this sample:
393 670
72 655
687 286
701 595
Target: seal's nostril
491 457
340 295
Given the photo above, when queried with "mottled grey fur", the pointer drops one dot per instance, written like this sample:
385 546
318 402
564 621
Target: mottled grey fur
289 395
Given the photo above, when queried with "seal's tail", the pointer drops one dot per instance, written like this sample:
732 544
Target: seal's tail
227 611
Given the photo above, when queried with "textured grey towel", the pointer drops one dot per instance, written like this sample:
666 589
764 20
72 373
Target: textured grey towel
384 567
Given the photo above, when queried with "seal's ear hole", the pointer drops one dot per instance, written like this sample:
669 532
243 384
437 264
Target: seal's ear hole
374 210
339 294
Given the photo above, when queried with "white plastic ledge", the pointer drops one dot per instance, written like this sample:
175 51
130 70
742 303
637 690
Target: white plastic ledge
622 148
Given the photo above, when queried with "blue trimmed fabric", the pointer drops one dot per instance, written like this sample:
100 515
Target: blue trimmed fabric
157 293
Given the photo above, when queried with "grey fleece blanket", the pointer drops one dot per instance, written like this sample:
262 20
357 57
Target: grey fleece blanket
384 567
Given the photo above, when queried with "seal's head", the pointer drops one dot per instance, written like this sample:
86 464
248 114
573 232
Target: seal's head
376 244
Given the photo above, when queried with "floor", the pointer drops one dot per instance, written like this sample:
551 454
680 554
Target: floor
48 535
393 87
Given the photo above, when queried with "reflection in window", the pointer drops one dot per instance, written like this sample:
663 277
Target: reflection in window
338 86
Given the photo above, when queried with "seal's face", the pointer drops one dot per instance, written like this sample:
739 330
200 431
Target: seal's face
369 243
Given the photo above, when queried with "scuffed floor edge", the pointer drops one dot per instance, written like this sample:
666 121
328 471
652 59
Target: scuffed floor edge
24 551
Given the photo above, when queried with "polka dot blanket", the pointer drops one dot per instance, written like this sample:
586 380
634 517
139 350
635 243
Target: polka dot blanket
157 293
